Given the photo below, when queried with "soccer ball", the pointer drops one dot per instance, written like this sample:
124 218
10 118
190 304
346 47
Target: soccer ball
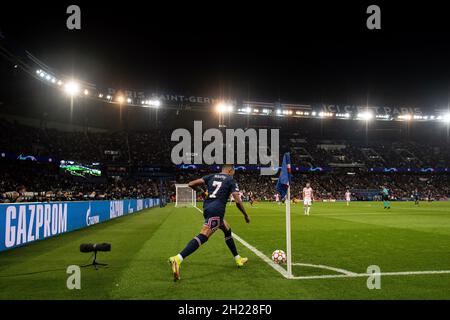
279 257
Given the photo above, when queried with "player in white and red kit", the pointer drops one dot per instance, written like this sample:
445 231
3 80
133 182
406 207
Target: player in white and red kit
277 198
307 198
348 195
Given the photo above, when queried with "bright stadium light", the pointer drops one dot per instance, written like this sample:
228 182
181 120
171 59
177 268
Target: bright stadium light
42 74
155 103
48 77
86 92
405 117
100 95
60 83
129 100
120 99
365 116
221 108
446 118
108 97
224 107
72 88
53 80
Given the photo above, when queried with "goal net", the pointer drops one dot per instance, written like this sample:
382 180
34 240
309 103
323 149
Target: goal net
185 196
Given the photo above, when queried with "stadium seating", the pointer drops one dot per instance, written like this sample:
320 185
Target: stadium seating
350 161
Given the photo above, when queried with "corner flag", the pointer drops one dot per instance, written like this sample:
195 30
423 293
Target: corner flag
284 188
285 175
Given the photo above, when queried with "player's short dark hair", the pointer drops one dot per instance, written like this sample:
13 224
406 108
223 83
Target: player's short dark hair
227 166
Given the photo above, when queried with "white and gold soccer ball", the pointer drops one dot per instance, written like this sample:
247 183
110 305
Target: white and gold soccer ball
279 257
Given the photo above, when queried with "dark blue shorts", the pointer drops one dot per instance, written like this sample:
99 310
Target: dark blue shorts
213 221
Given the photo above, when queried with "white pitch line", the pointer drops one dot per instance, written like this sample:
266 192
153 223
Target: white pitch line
363 275
347 274
320 266
267 260
261 255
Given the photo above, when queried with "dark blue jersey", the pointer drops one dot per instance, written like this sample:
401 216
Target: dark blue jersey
220 186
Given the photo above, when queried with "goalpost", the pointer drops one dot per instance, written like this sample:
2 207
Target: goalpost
185 196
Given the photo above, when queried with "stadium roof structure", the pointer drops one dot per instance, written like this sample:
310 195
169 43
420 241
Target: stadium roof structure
140 98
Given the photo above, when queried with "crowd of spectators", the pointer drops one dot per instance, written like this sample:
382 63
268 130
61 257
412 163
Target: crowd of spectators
31 182
23 181
328 186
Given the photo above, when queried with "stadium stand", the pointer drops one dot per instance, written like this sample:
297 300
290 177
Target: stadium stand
348 160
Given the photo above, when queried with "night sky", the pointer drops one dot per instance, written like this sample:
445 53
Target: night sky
274 51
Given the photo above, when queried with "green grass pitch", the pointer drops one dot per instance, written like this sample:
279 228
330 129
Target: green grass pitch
407 238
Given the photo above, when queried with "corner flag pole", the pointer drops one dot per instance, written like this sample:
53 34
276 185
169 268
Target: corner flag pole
288 231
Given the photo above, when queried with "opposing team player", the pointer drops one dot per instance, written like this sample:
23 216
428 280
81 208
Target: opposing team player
348 196
277 198
307 198
219 187
251 198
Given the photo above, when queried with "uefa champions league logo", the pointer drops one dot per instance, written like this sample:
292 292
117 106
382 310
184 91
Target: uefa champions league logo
235 143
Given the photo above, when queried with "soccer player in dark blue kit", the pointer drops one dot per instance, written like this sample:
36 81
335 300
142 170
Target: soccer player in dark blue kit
219 187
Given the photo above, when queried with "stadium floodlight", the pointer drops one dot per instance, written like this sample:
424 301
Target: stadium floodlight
278 111
42 74
53 80
129 100
446 118
154 103
365 116
221 108
405 117
86 92
48 77
100 95
38 71
120 99
108 97
60 83
313 113
72 88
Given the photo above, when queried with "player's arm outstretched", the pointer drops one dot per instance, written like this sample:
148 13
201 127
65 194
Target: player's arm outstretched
240 206
197 186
